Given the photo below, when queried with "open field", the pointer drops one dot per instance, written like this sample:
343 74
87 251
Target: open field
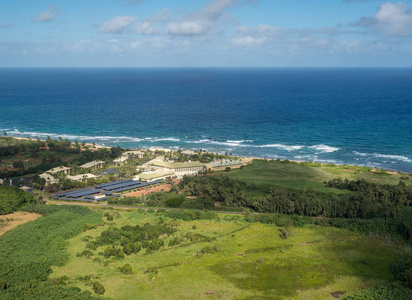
252 262
16 219
309 176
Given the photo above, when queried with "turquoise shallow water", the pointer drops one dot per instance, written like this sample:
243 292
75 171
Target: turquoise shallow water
353 116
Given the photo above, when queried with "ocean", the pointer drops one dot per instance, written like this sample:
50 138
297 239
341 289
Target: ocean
342 116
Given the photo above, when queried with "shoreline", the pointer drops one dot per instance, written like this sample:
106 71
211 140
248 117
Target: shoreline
373 169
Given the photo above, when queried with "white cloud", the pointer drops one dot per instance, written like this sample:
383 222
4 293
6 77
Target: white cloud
117 24
248 40
202 21
145 28
189 28
46 16
392 19
149 25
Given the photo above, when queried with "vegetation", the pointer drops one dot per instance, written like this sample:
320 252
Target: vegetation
230 257
28 252
12 199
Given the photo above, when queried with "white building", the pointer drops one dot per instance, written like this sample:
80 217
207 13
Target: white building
93 165
81 177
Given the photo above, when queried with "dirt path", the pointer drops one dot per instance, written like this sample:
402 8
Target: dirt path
18 219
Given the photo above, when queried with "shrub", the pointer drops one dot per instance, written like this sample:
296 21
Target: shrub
98 288
126 269
174 202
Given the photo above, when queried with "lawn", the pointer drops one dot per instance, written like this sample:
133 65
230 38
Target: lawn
253 262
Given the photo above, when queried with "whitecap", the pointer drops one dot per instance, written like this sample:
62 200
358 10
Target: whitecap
324 148
396 157
281 146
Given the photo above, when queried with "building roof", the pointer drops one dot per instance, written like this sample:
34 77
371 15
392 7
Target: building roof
189 152
58 169
81 176
121 159
152 175
153 149
176 165
47 177
225 163
92 164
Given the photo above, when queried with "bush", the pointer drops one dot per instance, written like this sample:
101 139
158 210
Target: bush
126 269
98 288
175 202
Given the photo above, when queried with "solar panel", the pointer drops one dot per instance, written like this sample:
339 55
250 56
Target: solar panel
113 183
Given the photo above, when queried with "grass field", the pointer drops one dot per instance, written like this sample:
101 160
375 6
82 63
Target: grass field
309 176
253 262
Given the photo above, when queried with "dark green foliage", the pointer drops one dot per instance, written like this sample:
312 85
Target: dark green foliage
174 202
98 288
34 290
126 269
86 253
382 292
175 241
12 199
132 239
28 252
402 270
209 250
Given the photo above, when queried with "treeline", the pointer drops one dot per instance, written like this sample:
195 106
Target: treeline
28 252
366 200
12 199
50 152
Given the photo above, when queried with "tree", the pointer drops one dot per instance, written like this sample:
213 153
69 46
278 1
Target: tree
98 288
126 269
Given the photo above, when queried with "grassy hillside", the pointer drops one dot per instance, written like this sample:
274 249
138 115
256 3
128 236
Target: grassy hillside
252 261
307 175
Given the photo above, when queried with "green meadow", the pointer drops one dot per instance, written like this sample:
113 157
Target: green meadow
249 261
308 176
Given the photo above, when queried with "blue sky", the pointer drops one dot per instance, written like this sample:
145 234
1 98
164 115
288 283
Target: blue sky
205 33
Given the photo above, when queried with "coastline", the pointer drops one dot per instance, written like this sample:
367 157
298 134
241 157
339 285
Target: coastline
373 169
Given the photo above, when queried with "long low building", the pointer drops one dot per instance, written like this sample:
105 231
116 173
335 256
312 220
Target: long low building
154 176
62 169
49 179
194 166
81 177
223 164
93 165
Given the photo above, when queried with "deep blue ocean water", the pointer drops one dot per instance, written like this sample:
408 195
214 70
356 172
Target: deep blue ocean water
353 116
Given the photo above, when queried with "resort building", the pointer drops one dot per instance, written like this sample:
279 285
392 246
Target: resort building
223 164
64 170
81 177
49 179
93 165
194 166
25 188
134 154
227 163
120 161
154 176
153 150
188 153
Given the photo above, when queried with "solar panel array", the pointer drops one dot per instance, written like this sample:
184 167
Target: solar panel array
107 189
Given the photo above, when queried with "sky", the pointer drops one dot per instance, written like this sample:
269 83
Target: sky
205 33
